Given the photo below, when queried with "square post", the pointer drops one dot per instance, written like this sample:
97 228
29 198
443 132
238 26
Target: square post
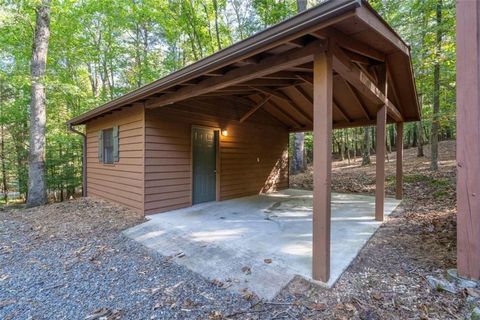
468 139
399 172
322 153
380 163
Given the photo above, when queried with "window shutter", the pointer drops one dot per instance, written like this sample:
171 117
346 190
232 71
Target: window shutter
116 157
100 146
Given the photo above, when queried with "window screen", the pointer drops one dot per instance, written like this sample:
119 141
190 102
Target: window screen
108 146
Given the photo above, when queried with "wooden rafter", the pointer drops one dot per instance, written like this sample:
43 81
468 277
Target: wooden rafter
369 18
266 66
392 85
286 114
284 97
272 110
305 77
358 79
351 44
254 109
357 99
341 111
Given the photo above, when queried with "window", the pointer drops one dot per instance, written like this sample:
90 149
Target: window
108 146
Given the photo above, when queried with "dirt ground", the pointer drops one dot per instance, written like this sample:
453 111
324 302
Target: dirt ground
386 281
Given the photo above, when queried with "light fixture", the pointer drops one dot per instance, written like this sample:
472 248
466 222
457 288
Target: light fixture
224 132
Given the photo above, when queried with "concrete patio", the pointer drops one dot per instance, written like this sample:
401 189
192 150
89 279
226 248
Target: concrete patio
260 243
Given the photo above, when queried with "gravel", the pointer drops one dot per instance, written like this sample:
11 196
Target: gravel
70 261
47 276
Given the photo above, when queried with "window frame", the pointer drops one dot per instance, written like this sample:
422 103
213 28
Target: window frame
110 148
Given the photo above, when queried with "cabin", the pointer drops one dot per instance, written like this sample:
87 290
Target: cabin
219 128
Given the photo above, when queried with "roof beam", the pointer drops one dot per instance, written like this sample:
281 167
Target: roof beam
377 24
351 44
357 99
306 78
359 80
286 114
284 97
341 111
266 66
254 109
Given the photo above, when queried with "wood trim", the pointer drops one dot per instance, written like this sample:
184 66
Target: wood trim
375 22
351 44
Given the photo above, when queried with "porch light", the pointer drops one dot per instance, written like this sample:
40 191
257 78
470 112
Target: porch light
224 132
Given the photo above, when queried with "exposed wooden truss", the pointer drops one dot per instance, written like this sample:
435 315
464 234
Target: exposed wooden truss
254 109
266 66
358 79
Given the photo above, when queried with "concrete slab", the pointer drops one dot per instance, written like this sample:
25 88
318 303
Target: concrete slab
230 240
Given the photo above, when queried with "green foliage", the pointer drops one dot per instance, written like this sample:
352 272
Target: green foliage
101 49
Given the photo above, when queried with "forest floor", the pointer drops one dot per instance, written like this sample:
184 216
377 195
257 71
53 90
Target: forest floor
70 261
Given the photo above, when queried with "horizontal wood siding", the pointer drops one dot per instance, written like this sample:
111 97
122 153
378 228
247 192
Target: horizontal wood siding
123 181
253 156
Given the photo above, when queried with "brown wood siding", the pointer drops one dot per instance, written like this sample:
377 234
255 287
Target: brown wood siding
123 181
168 153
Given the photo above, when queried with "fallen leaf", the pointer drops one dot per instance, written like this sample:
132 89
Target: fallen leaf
473 292
5 303
247 270
320 306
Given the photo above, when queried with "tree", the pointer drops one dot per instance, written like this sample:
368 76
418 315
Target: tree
436 88
366 147
298 163
37 193
419 129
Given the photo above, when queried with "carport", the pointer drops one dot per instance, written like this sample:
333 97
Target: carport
337 65
259 243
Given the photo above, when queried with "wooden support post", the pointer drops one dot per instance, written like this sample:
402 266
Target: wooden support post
380 163
399 175
468 139
322 153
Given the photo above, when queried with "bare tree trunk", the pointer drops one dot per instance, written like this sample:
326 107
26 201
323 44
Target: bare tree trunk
299 137
2 149
419 129
4 167
301 5
436 91
298 164
347 145
37 194
217 31
366 147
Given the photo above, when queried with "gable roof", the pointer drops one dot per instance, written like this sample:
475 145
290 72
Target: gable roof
365 38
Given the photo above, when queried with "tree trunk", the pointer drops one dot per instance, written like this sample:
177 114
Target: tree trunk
366 147
436 91
299 137
37 194
4 167
217 31
2 150
301 5
298 164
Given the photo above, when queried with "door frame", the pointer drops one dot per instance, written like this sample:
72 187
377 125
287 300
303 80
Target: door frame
217 160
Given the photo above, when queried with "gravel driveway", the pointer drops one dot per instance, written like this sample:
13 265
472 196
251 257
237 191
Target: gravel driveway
70 261
64 262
